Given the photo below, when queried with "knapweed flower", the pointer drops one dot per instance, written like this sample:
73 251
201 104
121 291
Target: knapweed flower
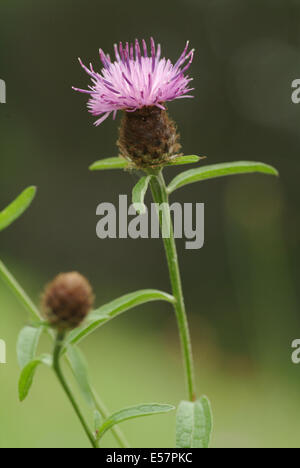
67 301
140 84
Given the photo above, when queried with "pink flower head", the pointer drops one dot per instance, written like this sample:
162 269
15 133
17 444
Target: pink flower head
135 80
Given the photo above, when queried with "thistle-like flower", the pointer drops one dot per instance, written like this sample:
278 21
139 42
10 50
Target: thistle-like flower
67 301
140 84
135 80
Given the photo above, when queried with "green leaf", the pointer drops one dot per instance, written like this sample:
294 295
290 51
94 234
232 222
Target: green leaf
180 160
27 374
27 345
17 207
98 421
115 308
109 163
132 413
79 368
219 170
194 424
138 194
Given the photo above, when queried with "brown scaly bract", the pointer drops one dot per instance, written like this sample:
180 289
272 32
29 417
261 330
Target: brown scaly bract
148 137
67 301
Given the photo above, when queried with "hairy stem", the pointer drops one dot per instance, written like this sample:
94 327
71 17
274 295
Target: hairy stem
59 343
160 196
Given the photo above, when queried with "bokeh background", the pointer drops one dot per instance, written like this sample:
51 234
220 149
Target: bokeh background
241 289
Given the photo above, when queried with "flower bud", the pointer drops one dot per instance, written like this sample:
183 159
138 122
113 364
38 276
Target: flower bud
148 137
67 301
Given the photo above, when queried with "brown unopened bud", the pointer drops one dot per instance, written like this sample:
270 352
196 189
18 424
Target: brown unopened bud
148 137
67 301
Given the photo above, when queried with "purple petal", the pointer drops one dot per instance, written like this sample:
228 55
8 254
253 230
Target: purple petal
145 48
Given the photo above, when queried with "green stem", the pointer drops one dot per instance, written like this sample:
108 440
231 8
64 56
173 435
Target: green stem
19 292
160 196
116 431
24 299
59 344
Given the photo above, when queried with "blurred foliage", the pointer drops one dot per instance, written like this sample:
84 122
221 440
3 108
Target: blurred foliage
241 289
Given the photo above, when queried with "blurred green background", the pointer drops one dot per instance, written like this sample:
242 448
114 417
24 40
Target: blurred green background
241 289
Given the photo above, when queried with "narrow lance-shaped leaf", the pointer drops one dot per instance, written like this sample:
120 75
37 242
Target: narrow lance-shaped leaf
109 163
181 160
27 344
138 194
194 424
115 308
80 371
17 207
132 413
27 374
219 170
